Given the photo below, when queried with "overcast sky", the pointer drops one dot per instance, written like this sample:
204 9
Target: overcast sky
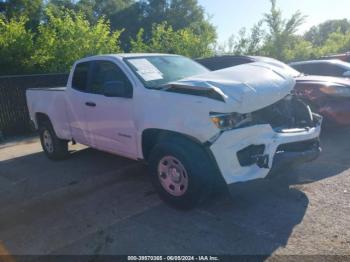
230 15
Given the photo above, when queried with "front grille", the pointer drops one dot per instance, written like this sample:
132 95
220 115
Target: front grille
287 113
301 146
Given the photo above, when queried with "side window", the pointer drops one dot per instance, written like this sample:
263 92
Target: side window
313 69
330 70
303 69
80 76
107 75
337 70
309 69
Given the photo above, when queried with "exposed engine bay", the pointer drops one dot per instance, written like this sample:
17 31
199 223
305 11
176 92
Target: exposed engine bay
288 113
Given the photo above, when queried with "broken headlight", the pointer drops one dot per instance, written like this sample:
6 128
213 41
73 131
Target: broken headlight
228 121
337 91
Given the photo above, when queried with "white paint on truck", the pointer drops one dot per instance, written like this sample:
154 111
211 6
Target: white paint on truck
116 124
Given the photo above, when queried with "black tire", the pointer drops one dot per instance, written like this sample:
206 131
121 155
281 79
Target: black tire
59 147
199 169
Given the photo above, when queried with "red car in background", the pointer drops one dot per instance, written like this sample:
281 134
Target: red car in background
329 96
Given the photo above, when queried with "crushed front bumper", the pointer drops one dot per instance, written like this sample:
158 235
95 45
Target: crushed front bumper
286 158
253 152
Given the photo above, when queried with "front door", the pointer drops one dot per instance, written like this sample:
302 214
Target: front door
109 117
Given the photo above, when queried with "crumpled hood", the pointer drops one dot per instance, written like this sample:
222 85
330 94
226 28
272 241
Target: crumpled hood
244 88
324 79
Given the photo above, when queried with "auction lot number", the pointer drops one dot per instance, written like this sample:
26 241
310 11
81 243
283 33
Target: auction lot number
173 258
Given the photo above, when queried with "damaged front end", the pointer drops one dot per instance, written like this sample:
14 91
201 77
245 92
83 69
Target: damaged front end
275 137
259 125
289 116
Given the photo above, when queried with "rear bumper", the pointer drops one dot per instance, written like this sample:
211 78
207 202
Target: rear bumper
266 150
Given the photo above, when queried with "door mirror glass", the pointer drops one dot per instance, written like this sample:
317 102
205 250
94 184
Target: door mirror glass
115 89
346 74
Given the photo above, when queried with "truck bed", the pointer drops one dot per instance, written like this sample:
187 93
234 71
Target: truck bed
52 103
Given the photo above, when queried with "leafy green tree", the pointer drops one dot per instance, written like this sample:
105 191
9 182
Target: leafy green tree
179 14
246 43
32 9
56 6
68 37
337 42
16 46
300 49
92 9
319 34
164 39
281 31
96 9
274 36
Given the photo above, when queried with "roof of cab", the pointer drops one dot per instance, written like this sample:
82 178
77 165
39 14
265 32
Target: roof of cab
120 56
126 55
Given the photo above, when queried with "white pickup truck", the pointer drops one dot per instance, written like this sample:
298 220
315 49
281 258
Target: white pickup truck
195 128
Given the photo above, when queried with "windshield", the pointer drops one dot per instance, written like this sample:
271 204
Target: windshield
157 71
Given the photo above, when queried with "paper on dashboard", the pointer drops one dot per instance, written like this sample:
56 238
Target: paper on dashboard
146 69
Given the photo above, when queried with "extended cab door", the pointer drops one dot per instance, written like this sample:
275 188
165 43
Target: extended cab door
109 109
76 99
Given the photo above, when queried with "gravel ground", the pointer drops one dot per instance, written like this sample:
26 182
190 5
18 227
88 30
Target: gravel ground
97 203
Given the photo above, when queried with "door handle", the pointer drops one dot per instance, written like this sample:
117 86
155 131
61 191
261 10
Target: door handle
91 104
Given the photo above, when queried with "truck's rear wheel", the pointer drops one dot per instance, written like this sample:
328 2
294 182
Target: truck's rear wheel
181 172
54 148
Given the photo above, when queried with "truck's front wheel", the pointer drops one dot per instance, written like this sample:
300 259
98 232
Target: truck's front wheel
54 148
181 172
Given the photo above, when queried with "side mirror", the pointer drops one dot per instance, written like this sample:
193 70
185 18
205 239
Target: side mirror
115 89
346 74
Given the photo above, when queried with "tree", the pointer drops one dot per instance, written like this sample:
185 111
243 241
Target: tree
300 49
319 34
93 10
16 46
68 37
281 31
31 9
273 36
96 9
164 39
336 42
179 14
246 43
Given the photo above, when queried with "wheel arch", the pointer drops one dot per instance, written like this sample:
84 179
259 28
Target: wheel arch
40 118
151 136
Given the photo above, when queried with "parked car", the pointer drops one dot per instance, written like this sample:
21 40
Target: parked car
328 96
344 57
194 127
332 67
